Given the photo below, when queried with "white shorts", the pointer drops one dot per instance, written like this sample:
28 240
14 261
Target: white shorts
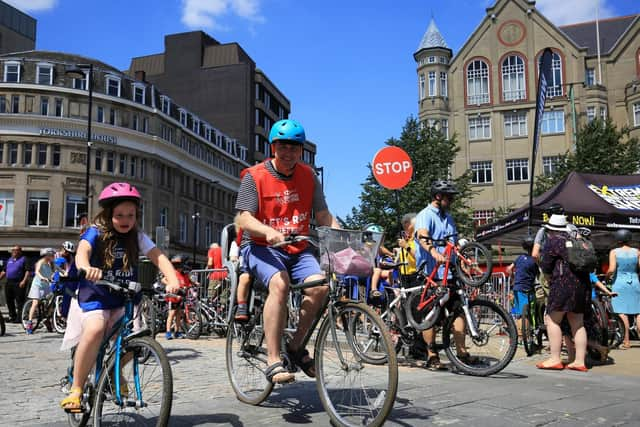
38 291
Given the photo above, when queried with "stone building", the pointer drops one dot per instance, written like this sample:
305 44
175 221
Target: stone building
485 93
17 30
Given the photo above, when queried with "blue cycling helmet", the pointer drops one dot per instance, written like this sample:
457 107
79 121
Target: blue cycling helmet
375 228
287 130
59 262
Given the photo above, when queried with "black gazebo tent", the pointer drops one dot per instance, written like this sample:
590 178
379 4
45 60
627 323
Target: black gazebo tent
601 203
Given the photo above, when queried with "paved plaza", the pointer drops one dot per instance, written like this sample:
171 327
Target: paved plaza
31 367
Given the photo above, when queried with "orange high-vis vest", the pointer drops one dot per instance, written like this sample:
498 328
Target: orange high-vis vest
284 205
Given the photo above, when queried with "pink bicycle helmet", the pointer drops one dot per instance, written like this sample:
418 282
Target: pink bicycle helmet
119 191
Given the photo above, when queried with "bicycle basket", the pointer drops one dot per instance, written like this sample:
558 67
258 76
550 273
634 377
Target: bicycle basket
348 252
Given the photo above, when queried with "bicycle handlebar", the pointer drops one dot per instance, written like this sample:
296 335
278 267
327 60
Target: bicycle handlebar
126 286
293 238
437 242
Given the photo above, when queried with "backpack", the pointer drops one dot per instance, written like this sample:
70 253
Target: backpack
581 255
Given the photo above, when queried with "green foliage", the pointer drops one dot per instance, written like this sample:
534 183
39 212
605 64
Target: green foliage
600 148
432 156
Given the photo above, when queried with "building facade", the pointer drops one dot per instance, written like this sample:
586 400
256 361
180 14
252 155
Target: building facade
220 83
485 93
17 30
186 168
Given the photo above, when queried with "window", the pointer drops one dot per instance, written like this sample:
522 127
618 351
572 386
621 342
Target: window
3 104
515 124
143 168
165 104
603 113
6 208
517 170
113 85
482 217
183 117
208 232
42 154
280 112
112 116
267 123
432 83
111 161
44 105
443 60
1 152
44 74
479 127
589 76
482 172
98 160
27 154
196 126
75 207
58 111
132 166
15 104
477 83
13 153
636 114
182 227
134 122
550 164
138 93
38 209
513 79
145 125
80 83
444 127
432 60
422 87
56 155
554 86
591 114
123 164
443 85
167 133
553 122
12 72
100 115
164 217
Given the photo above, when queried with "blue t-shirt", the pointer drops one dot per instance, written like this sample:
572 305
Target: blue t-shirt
526 271
92 297
438 225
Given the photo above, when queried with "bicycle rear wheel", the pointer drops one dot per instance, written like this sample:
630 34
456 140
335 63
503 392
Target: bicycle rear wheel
616 331
148 406
367 338
2 325
528 334
474 264
59 321
192 324
246 357
493 348
352 390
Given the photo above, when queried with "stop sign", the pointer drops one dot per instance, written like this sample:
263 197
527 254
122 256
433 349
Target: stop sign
392 168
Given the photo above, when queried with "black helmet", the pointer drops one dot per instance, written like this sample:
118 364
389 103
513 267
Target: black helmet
554 209
622 235
527 243
443 187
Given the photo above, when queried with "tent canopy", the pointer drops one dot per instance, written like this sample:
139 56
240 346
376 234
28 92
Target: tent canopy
602 203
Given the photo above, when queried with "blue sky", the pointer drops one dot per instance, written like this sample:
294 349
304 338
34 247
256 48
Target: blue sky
346 66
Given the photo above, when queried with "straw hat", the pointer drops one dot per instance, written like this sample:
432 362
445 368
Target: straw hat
557 223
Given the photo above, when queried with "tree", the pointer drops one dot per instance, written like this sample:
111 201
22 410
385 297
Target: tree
432 155
600 148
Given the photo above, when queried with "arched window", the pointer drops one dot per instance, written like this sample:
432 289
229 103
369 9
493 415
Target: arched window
554 85
513 79
477 82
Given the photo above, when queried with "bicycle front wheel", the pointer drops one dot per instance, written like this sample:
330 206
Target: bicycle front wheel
528 334
354 391
146 388
59 321
474 264
491 350
246 356
192 323
367 338
25 314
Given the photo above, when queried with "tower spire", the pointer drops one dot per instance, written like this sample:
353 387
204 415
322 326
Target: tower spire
432 37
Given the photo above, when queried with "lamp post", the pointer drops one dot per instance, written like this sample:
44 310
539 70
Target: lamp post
195 217
85 71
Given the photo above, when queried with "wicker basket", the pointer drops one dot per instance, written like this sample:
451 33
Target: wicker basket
348 252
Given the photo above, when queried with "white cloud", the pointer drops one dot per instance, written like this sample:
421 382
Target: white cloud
207 13
32 5
574 11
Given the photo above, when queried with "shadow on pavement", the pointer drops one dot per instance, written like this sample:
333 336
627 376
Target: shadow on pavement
182 353
288 397
405 409
205 419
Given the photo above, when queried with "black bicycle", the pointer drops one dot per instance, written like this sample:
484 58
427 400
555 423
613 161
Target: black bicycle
533 327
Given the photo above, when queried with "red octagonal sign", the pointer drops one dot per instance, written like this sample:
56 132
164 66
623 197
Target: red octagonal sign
392 168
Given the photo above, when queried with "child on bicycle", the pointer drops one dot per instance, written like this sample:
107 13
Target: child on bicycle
176 304
110 249
525 272
40 285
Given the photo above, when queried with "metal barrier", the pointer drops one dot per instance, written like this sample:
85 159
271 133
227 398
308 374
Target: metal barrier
225 288
498 290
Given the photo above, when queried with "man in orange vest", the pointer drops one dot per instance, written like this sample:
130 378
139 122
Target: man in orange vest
276 199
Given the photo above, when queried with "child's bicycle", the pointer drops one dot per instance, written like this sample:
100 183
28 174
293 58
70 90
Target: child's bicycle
341 358
533 327
142 392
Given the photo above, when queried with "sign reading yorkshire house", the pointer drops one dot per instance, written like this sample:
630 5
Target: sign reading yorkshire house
78 134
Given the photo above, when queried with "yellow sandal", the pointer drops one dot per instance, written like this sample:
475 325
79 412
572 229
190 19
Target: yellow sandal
73 402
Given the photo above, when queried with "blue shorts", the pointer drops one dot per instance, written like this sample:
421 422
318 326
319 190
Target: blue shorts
263 262
520 299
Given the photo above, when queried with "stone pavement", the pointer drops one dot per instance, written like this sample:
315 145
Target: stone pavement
31 367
